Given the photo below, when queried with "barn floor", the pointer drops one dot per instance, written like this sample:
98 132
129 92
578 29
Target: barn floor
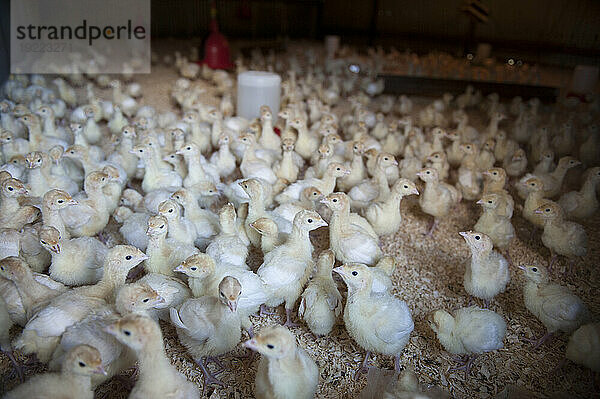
429 277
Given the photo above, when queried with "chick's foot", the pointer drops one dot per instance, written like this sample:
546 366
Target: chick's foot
263 311
208 377
465 364
538 342
288 319
431 229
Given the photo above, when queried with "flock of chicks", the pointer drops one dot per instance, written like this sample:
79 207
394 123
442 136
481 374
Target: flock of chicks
69 165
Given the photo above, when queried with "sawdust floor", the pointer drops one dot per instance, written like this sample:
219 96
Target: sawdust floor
430 279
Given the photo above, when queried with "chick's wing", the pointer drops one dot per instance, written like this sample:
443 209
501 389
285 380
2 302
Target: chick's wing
392 321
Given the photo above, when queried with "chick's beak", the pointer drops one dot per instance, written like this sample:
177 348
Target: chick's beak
414 191
55 249
179 269
464 234
73 202
159 300
251 344
538 211
339 270
100 370
522 267
232 304
395 163
479 202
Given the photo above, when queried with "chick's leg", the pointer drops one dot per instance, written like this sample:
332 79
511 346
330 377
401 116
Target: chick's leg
209 378
553 258
364 367
288 322
431 228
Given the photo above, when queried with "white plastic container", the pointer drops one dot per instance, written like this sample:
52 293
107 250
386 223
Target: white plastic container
255 89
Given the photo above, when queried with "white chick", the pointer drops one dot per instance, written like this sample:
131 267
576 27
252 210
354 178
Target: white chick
486 272
157 377
554 305
287 267
385 216
352 239
321 301
378 323
133 226
227 246
284 370
469 331
210 326
42 333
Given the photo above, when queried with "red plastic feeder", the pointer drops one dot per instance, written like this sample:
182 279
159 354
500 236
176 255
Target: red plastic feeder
216 47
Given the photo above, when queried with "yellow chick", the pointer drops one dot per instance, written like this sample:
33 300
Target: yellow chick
582 204
321 301
534 199
469 331
554 305
553 181
352 239
52 203
284 370
385 216
90 215
138 298
35 290
516 164
561 237
486 272
287 267
77 261
205 275
210 326
584 346
439 162
164 254
378 323
493 223
269 234
494 182
157 377
438 197
12 214
469 177
74 381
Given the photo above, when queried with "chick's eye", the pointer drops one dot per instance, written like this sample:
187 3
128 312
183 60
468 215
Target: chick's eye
405 186
60 201
270 346
10 189
547 209
127 332
338 169
355 273
477 237
534 269
309 220
146 300
194 268
81 364
385 159
334 200
188 148
170 210
128 257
